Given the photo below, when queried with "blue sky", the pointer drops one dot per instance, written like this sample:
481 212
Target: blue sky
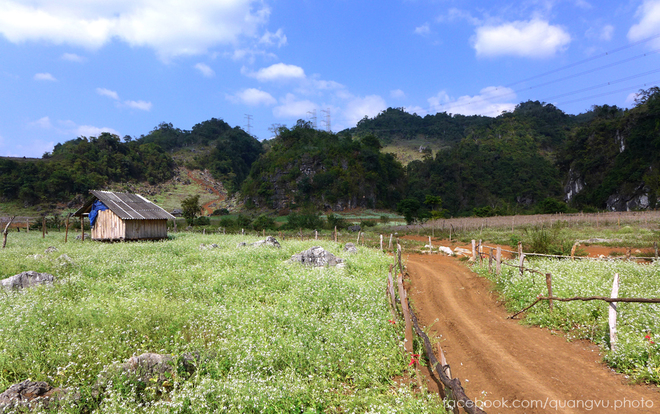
72 68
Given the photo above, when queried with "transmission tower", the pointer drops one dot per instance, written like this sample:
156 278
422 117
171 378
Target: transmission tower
312 117
326 121
248 127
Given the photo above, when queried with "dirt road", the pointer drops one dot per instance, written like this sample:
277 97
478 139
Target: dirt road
508 367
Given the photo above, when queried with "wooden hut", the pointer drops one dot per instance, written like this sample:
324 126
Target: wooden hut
122 216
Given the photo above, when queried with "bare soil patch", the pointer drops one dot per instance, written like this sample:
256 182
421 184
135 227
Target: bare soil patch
502 363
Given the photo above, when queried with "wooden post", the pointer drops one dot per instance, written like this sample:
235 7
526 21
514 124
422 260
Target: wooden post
43 228
381 242
242 232
498 260
204 231
451 227
406 314
6 231
358 239
82 227
27 225
398 250
390 245
66 232
548 281
520 249
490 260
301 235
263 232
612 312
316 234
577 243
480 250
474 250
390 293
655 246
175 228
335 234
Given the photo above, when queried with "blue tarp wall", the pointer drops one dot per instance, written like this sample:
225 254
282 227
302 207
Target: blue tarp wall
96 207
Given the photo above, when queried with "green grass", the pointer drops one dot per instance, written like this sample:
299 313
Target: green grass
274 336
635 354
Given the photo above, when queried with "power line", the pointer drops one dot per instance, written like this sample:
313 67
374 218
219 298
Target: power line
249 123
610 52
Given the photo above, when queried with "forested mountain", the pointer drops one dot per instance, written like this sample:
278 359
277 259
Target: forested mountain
232 150
305 166
535 158
84 164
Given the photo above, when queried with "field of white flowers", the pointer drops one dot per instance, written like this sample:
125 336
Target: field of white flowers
638 350
272 336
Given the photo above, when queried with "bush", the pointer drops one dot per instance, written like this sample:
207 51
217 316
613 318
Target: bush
336 221
384 219
243 221
367 223
202 221
263 222
227 222
309 220
220 212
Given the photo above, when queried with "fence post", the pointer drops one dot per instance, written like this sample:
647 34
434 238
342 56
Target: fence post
480 250
577 243
655 246
406 314
498 261
548 281
82 227
5 232
66 232
490 260
612 312
390 245
474 250
390 293
43 228
381 242
430 245
335 234
27 226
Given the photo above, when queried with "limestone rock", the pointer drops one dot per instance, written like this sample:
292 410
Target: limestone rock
27 393
446 250
350 248
51 249
268 241
317 256
26 279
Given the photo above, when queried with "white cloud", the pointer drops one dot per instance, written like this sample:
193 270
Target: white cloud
108 93
418 110
630 99
72 57
607 32
278 71
491 101
170 27
358 108
92 131
42 123
456 14
253 97
44 77
274 39
397 94
141 105
423 30
649 22
583 4
205 70
534 38
291 107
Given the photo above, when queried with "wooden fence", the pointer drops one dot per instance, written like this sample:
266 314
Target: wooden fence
453 393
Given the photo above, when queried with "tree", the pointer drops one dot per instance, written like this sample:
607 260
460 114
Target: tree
191 208
409 208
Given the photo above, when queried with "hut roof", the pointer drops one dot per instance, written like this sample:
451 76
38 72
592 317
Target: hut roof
126 206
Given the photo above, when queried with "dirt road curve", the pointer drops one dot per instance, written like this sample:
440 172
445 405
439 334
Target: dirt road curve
508 366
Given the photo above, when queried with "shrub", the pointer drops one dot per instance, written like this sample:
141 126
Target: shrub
263 222
220 212
202 221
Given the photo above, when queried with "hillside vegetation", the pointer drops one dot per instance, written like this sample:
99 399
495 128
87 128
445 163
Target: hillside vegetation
533 159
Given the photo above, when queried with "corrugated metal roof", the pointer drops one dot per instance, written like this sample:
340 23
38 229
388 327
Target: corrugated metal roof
129 206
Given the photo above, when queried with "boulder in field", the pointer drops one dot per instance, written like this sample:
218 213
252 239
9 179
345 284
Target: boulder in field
317 256
30 393
350 248
26 279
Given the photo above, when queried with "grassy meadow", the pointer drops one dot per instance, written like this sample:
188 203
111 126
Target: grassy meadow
271 336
